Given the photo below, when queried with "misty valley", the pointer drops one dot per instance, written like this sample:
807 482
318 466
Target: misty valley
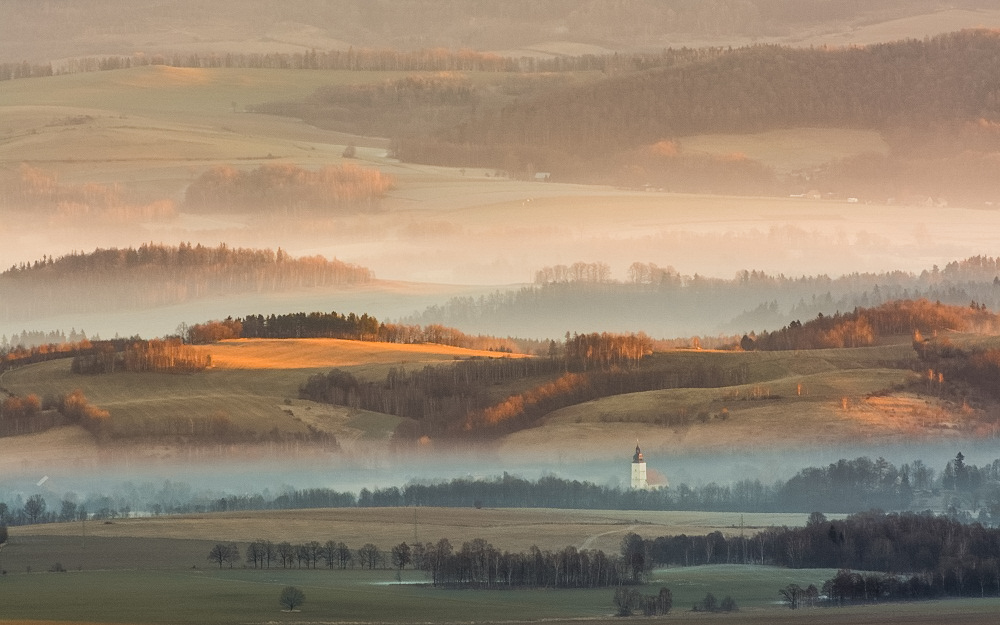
413 311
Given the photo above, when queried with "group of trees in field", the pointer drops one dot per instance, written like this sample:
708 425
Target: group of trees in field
288 189
461 399
30 414
155 355
628 601
863 326
39 192
905 555
971 374
155 275
476 564
350 326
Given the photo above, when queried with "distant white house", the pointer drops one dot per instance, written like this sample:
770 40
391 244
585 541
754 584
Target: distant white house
542 176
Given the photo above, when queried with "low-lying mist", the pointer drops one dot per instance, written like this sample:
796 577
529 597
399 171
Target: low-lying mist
139 484
423 256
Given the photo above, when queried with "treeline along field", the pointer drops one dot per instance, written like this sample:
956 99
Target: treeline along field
289 189
350 326
842 487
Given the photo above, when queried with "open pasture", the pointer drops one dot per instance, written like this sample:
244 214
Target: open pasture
510 529
789 150
207 595
799 399
156 570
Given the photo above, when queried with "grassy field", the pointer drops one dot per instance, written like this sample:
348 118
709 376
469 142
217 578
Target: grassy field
213 596
254 384
813 398
157 571
244 596
507 528
822 397
790 150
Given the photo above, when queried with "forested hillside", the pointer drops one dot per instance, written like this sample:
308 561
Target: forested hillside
911 90
864 326
761 87
155 275
664 303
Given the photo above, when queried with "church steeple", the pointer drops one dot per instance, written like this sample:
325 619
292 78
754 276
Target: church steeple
639 470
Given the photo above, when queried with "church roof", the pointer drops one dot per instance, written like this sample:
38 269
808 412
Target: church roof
638 454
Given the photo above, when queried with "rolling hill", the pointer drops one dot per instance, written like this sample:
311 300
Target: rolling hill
829 398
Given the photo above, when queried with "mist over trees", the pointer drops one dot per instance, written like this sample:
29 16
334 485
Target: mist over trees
959 491
37 192
156 275
661 301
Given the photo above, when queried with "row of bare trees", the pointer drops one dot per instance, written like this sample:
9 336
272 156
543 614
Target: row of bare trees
155 355
29 414
40 192
476 564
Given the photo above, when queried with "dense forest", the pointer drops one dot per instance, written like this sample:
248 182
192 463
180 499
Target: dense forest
894 87
881 557
756 88
155 275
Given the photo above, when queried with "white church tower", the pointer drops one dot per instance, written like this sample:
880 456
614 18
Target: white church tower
639 470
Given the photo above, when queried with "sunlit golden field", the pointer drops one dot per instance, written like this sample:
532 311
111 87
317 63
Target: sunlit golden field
328 353
253 384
